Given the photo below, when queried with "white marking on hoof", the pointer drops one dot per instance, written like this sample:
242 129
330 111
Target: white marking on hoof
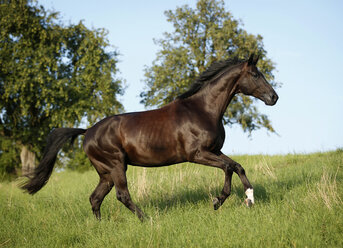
248 202
250 195
216 203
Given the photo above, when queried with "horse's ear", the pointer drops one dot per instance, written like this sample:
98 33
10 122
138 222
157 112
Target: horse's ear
251 59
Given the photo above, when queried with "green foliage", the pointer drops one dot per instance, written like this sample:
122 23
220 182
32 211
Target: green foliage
9 159
51 75
76 159
298 204
201 36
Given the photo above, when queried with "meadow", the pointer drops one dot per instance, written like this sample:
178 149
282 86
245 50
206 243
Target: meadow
298 198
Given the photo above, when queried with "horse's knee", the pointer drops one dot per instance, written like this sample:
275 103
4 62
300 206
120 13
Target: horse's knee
239 169
123 197
228 169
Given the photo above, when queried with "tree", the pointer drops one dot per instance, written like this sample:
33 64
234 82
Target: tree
51 75
201 36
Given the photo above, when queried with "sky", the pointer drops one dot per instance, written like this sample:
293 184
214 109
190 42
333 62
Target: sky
303 38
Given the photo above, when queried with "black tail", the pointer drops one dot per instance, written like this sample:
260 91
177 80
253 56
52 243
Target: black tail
55 141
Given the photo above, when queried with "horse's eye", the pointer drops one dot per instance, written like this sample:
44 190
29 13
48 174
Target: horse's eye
255 75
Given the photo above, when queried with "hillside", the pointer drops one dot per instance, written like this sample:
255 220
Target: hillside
298 203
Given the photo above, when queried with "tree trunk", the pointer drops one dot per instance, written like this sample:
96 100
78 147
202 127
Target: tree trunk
28 160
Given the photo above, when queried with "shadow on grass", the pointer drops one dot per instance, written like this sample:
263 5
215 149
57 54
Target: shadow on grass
184 198
179 198
263 193
195 196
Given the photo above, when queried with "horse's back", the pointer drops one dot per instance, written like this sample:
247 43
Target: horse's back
147 138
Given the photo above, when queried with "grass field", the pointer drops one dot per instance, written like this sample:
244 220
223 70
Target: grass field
298 204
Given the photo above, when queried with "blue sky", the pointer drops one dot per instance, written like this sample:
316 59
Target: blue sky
303 38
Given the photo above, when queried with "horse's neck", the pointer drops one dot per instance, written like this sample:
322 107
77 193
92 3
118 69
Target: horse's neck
217 95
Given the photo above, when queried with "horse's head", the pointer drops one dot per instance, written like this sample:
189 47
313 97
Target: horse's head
253 83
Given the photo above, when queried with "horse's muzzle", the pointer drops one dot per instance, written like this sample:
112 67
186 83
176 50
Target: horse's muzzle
271 99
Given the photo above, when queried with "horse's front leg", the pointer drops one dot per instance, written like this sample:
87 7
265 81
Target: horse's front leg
226 191
211 159
228 166
237 168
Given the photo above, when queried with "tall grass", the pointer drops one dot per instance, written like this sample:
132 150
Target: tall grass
298 204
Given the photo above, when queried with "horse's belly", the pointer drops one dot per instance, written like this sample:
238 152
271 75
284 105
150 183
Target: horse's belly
152 156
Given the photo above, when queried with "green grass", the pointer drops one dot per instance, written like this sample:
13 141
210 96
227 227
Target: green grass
298 204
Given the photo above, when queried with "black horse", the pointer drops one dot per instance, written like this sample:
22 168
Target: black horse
189 128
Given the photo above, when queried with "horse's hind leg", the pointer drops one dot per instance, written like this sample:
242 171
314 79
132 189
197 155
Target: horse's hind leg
104 187
118 174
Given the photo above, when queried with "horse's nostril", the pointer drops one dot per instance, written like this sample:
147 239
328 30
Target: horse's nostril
275 97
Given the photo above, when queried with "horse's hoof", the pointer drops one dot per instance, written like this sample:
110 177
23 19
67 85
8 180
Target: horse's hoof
248 202
216 203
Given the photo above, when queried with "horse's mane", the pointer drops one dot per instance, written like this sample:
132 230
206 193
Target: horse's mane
205 77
